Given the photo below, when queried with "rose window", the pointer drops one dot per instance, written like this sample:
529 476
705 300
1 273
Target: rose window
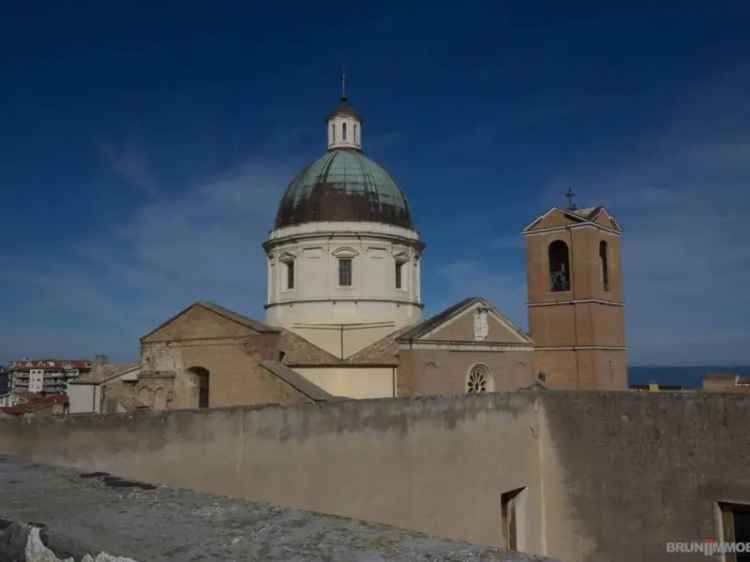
478 380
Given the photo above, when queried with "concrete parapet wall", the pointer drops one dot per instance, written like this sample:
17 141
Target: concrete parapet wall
432 464
606 475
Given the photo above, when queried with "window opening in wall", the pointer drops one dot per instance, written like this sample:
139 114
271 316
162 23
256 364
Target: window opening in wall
343 131
604 264
290 275
345 272
356 133
735 528
333 132
510 508
478 380
399 272
559 266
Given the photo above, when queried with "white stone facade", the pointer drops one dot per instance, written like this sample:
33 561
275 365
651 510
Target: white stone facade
343 318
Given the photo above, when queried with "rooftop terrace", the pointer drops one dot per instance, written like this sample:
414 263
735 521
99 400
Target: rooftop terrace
82 513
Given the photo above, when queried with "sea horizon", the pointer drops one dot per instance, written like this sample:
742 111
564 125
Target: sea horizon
687 376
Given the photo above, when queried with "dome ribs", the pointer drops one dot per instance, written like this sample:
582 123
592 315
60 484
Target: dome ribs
343 185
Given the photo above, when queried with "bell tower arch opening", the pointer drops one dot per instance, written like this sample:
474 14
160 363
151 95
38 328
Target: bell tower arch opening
559 266
604 265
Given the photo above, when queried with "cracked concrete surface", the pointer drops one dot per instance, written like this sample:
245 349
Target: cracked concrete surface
83 513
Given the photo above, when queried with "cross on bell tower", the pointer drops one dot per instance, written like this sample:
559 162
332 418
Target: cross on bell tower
570 194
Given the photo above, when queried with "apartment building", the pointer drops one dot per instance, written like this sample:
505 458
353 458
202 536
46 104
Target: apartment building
48 376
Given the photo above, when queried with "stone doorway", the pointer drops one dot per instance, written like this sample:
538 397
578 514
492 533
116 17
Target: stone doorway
203 382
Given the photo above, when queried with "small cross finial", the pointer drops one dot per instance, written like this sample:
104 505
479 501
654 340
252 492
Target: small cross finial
570 194
343 85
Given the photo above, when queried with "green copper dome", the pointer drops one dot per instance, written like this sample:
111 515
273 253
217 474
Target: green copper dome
343 185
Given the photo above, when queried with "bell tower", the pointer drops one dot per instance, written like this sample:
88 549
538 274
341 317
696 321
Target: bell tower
575 298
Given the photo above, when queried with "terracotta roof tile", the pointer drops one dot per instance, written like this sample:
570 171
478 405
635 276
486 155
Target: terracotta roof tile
105 372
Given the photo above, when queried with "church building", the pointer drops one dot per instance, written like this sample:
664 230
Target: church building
344 306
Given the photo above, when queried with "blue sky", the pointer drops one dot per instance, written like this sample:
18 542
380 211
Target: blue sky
144 150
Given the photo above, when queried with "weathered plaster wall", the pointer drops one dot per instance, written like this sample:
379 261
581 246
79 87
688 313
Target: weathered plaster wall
84 513
437 465
609 475
352 381
624 473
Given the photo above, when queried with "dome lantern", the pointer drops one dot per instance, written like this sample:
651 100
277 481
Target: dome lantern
344 124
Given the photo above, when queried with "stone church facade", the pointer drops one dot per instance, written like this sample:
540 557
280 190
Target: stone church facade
344 306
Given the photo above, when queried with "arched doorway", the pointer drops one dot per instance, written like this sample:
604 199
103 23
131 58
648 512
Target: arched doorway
202 381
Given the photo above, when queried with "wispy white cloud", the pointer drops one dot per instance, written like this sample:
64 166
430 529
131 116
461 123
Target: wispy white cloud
131 163
464 278
681 195
201 243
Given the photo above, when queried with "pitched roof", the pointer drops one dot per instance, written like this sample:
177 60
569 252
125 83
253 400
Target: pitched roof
586 215
299 351
105 372
49 364
382 352
221 311
427 326
237 317
35 404
720 377
296 381
433 322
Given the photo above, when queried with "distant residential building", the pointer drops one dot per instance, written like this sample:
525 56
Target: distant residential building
48 376
4 381
726 382
655 387
107 388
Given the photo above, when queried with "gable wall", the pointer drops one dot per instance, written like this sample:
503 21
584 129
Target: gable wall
555 218
235 375
199 322
462 329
